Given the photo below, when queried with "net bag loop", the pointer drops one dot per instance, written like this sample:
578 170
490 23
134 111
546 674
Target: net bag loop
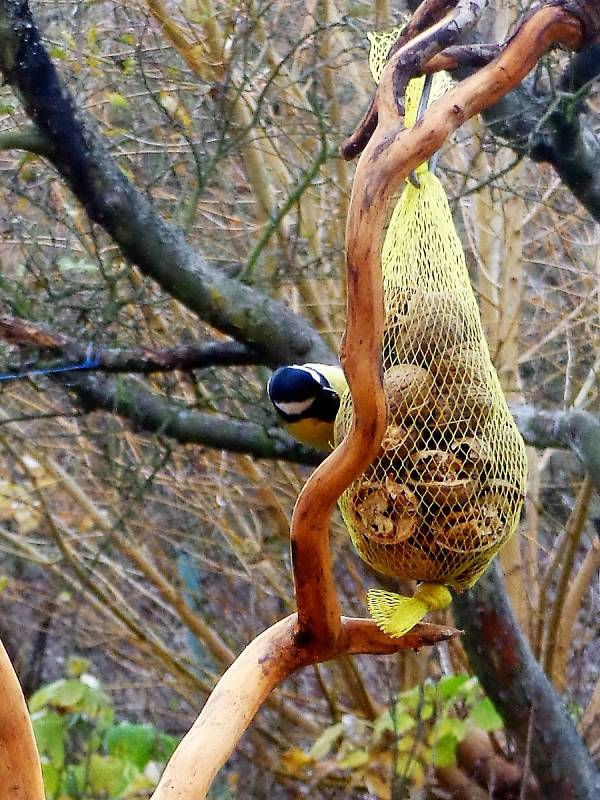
447 486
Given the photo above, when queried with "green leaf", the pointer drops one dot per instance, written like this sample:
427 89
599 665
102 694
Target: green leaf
409 699
49 729
51 778
449 725
68 694
62 693
165 747
132 742
382 723
404 722
354 760
96 704
118 100
110 775
74 781
485 716
58 53
408 765
452 686
444 751
76 666
326 741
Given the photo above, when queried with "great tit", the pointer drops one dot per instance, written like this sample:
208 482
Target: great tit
307 398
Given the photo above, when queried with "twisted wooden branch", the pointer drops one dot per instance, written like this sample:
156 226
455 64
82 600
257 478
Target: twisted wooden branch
318 632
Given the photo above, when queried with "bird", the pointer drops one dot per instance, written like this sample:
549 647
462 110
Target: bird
307 399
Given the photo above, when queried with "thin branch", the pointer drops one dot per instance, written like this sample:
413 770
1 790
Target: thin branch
110 199
194 355
573 533
572 605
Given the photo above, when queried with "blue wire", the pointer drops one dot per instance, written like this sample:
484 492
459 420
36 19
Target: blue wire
92 361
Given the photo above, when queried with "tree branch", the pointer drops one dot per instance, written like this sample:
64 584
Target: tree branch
159 249
149 412
29 139
268 659
548 128
20 772
578 431
194 355
522 693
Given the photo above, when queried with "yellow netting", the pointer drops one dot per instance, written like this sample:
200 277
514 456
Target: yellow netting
446 489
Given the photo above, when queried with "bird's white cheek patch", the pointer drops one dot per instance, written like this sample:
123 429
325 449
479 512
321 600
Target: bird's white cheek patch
293 409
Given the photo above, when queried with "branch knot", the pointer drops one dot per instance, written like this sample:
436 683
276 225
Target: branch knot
588 13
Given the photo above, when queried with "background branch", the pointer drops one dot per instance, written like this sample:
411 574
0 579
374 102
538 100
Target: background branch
111 200
150 412
578 431
186 357
521 692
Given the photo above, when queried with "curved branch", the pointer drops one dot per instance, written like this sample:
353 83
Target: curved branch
20 772
578 431
435 26
268 659
159 249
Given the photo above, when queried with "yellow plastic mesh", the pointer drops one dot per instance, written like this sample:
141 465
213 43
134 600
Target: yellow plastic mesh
446 489
378 52
381 43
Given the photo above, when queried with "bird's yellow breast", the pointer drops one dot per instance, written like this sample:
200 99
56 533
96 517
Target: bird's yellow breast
313 432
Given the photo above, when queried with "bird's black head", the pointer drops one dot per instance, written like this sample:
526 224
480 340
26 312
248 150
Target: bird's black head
299 392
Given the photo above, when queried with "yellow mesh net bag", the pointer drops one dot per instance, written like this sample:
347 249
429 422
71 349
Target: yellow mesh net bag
447 486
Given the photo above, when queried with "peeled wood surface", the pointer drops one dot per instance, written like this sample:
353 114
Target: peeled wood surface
20 771
266 661
318 632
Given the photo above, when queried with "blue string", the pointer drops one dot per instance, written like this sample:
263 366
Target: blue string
92 361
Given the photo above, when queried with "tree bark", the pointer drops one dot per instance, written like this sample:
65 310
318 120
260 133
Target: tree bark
533 712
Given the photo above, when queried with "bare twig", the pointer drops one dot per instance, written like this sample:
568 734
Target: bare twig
194 355
573 533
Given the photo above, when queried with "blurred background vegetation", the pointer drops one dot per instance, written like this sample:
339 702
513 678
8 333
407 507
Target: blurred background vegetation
134 566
